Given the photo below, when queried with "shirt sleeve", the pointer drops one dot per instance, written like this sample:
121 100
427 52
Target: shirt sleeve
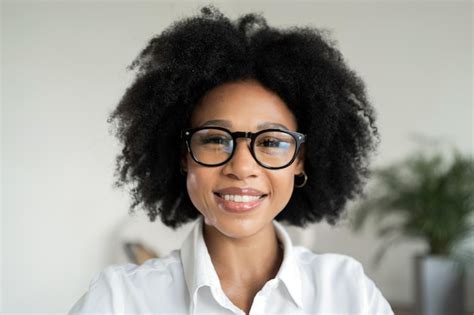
375 302
104 295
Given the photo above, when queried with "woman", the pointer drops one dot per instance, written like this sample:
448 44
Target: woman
241 126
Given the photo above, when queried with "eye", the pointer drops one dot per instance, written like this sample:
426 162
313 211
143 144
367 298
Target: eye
270 143
215 140
273 143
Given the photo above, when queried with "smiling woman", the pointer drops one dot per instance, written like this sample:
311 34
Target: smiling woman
216 191
239 126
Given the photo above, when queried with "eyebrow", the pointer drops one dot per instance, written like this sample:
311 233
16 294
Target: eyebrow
228 124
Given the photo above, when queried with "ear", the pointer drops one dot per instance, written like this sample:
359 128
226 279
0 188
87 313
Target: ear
183 160
299 168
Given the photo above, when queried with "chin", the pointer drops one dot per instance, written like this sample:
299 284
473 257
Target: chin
235 227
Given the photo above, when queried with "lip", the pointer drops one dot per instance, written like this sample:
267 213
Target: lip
238 207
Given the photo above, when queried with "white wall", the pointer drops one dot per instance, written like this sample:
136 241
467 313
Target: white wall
63 71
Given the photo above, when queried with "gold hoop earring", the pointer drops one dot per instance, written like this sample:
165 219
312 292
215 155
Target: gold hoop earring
303 174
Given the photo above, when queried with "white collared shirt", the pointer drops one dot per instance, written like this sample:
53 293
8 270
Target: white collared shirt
186 282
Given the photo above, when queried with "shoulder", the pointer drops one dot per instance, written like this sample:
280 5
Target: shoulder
160 271
124 286
330 270
329 262
163 265
344 277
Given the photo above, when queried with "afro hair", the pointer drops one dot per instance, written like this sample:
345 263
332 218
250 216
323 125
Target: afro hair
300 64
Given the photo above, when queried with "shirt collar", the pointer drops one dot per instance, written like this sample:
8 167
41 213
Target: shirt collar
289 273
199 270
197 264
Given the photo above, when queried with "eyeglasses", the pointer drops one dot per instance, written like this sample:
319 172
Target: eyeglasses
215 146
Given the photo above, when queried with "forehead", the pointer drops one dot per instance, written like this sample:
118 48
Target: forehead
244 105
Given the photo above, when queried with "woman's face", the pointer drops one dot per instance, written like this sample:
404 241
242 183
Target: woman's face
241 106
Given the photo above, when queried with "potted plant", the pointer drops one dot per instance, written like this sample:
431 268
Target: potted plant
427 197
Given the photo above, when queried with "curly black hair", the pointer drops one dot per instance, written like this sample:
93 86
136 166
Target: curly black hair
300 64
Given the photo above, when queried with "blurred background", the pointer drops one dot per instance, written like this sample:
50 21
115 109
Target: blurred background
64 70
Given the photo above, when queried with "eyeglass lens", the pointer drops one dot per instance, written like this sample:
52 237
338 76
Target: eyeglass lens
214 146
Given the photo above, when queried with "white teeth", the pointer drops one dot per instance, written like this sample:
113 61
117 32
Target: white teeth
239 198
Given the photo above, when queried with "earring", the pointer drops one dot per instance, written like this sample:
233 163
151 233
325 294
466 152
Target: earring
304 181
182 171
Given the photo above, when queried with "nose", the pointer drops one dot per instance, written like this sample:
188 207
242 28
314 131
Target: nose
242 164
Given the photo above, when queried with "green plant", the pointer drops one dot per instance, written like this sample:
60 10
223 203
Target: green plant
423 197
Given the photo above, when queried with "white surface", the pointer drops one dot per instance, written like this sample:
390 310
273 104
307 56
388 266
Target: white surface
338 281
63 71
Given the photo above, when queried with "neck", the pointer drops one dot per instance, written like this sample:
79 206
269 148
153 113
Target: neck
251 261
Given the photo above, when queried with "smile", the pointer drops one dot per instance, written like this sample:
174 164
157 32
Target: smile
240 198
238 203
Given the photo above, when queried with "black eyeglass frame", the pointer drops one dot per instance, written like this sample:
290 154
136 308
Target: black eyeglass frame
186 135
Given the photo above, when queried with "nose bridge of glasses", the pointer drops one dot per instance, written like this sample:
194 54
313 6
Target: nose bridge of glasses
242 134
246 138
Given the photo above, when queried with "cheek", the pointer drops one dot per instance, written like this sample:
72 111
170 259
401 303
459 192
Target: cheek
283 187
199 183
199 186
194 184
